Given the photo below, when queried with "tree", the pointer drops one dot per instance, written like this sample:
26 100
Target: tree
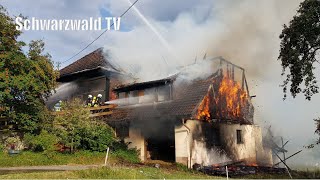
299 50
25 80
77 130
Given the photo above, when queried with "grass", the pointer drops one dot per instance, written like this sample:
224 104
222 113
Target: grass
123 164
295 175
114 173
28 158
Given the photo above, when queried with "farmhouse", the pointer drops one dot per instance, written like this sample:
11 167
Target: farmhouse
185 118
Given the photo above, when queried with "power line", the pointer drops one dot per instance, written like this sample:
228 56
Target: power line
99 35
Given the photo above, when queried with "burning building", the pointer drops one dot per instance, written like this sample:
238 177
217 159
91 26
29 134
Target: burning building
198 120
91 74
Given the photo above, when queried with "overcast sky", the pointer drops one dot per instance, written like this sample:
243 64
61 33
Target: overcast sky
246 32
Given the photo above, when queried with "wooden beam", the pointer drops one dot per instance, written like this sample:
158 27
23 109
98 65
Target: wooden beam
101 114
101 107
288 157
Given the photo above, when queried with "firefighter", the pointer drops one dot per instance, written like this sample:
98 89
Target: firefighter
89 101
94 102
99 100
57 106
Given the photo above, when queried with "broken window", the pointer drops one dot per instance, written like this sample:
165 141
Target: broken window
239 137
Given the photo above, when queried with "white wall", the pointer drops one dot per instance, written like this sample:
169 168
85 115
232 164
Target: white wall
251 150
192 145
137 141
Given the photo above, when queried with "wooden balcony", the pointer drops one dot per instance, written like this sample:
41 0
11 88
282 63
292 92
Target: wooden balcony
99 111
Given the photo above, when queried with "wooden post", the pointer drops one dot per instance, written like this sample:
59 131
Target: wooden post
227 172
106 160
284 153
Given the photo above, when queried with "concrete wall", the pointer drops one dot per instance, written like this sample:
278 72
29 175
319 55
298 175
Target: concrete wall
250 150
182 145
138 142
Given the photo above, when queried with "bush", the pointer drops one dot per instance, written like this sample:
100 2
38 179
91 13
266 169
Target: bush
96 137
45 141
126 155
2 148
76 129
120 150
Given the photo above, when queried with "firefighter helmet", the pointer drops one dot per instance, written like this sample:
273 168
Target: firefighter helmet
89 96
99 95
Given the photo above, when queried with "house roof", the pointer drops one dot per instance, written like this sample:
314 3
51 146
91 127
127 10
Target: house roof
91 61
186 99
144 85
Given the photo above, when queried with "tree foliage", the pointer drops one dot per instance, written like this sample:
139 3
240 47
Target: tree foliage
25 79
77 130
44 142
299 50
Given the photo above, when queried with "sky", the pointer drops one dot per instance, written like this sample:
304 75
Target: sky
175 33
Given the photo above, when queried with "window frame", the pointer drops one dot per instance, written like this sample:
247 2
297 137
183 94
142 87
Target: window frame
239 136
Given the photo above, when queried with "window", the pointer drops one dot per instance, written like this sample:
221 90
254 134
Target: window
124 98
164 93
141 95
122 95
148 96
133 97
239 137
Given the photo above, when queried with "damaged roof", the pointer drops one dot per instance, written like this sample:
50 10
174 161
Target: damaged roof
91 61
186 98
144 85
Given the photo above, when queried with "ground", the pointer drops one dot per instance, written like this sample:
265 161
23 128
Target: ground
116 172
121 165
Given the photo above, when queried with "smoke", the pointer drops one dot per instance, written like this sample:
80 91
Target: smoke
62 92
245 32
204 156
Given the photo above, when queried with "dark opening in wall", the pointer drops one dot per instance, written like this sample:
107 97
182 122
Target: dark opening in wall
239 137
161 147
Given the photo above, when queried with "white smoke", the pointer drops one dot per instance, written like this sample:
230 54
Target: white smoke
204 156
246 32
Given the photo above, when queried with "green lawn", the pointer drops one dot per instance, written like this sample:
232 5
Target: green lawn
113 173
28 158
123 164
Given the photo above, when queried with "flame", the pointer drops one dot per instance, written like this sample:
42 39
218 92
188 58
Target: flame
232 98
253 165
204 109
227 103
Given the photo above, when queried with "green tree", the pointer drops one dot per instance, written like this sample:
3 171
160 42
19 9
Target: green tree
25 80
299 50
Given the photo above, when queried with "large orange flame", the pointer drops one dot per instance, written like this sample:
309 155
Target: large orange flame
204 109
228 102
232 98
